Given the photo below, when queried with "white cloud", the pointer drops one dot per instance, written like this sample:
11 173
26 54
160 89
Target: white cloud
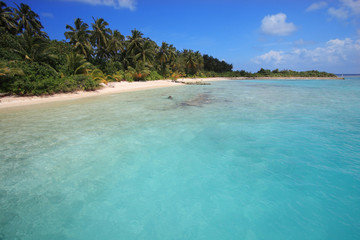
339 13
316 6
130 4
334 55
277 25
353 5
273 56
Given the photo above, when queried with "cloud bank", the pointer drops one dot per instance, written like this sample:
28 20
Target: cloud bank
277 25
335 54
353 5
347 9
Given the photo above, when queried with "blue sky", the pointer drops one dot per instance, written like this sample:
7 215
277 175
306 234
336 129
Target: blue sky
285 34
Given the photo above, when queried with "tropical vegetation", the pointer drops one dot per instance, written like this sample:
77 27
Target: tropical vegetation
33 64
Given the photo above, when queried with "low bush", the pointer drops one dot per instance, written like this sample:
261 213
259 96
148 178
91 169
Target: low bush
47 86
154 75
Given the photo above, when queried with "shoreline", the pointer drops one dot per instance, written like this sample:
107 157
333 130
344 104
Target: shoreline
120 87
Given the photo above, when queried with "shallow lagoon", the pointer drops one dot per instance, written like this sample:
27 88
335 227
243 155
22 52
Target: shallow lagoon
233 160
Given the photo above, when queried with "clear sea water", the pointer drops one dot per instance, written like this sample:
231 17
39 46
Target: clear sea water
232 160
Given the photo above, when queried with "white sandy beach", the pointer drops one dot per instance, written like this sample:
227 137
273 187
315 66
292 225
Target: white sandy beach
111 88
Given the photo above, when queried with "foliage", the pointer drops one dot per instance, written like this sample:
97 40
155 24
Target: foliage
7 43
61 50
79 37
215 65
76 64
111 67
9 71
27 21
51 85
7 19
154 75
99 37
139 73
34 49
99 76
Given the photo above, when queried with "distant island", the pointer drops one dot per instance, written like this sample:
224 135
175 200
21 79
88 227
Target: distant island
33 64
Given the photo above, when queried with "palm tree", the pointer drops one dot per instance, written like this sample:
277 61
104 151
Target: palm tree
116 44
163 54
125 59
200 60
7 19
76 64
167 57
135 42
146 52
100 36
172 53
79 37
193 61
190 61
28 21
34 49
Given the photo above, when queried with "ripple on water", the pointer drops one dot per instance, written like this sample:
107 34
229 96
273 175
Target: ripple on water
233 160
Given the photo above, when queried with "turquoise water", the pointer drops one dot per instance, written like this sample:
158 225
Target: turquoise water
233 160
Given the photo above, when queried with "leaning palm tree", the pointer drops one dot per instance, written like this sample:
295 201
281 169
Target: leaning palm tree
7 19
28 21
100 36
79 37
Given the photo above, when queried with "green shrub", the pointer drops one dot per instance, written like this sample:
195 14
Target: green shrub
34 71
8 42
128 76
154 75
51 85
111 67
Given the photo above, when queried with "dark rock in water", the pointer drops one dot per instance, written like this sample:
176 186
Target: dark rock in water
198 101
197 83
170 97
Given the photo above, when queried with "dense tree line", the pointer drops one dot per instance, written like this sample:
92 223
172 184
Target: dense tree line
32 64
212 64
274 74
